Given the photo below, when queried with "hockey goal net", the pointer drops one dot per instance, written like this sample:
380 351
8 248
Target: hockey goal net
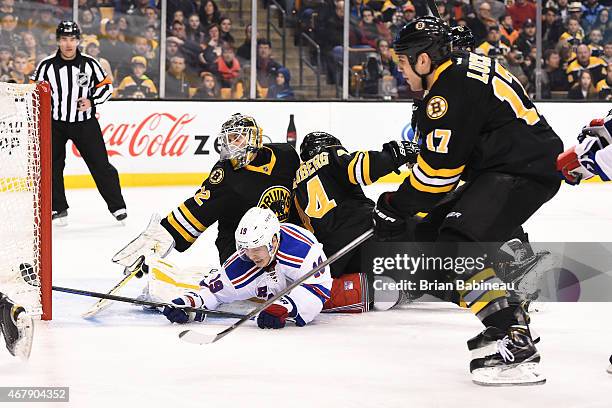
25 196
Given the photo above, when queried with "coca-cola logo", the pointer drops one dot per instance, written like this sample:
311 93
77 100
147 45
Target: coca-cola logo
158 134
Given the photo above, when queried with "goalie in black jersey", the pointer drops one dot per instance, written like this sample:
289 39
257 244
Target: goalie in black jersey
330 201
248 174
16 327
477 125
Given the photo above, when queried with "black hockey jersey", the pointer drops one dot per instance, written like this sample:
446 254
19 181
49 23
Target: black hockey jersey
227 194
329 197
476 118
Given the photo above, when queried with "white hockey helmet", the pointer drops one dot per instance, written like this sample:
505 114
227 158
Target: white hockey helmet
257 228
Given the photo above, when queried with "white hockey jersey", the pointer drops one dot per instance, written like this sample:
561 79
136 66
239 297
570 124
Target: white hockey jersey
298 253
597 159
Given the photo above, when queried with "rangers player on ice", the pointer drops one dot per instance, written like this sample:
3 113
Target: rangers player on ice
268 256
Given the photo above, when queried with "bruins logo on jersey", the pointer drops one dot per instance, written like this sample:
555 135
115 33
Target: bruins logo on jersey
216 176
436 107
277 199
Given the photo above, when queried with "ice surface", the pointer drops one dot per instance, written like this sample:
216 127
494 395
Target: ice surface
413 357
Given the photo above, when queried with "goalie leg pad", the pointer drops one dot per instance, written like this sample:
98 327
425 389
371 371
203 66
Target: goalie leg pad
349 294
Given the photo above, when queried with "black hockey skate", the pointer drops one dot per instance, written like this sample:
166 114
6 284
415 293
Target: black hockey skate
609 370
17 328
60 218
502 359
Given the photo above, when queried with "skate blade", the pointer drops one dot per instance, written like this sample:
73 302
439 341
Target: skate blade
609 370
23 346
60 222
520 374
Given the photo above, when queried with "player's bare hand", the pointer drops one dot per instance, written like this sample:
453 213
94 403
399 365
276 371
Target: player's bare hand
83 104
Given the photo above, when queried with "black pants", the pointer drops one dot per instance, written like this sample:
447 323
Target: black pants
87 137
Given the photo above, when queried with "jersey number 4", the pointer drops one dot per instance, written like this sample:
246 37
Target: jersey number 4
318 202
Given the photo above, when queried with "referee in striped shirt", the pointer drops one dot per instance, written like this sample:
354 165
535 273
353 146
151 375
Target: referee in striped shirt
78 85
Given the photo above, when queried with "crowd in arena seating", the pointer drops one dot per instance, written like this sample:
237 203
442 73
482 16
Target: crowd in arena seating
204 59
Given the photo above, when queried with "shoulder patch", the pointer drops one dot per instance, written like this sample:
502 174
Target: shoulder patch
216 176
436 107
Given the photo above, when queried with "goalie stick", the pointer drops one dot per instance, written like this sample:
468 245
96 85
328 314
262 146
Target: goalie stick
104 303
192 336
81 292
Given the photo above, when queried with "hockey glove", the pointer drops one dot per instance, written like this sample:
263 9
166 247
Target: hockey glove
389 225
578 162
402 152
177 314
273 317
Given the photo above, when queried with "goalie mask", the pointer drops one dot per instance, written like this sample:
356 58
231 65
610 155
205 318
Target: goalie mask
255 236
240 140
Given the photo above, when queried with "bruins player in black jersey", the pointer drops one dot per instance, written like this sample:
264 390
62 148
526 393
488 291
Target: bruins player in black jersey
331 203
477 125
248 174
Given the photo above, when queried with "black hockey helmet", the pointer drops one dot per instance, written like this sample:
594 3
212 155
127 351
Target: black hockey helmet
68 29
428 35
315 142
463 38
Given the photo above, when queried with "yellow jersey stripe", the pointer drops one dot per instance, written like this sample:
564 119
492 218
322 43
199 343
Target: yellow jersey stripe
197 224
179 228
366 168
431 172
351 169
487 299
429 189
159 275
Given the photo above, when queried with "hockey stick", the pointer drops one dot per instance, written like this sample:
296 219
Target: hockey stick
433 8
192 336
103 304
145 302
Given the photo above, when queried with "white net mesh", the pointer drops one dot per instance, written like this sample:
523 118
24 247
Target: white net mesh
20 172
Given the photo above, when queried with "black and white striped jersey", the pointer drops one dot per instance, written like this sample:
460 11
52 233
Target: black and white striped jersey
70 80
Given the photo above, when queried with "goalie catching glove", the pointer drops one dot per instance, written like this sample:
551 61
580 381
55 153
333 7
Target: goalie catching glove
153 240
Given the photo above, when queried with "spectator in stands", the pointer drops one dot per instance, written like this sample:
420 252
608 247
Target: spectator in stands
506 29
137 84
397 22
7 7
575 10
226 28
214 36
178 16
188 48
604 87
207 59
44 27
552 28
369 31
9 34
172 49
92 48
228 67
89 25
124 29
281 89
211 13
596 42
604 24
6 63
390 7
208 88
150 34
409 13
515 64
554 78
266 66
480 24
177 83
113 49
195 31
583 88
584 61
590 12
573 30
497 8
445 14
31 48
607 55
527 38
142 13
244 51
521 11
20 73
493 46
562 7
388 65
151 17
